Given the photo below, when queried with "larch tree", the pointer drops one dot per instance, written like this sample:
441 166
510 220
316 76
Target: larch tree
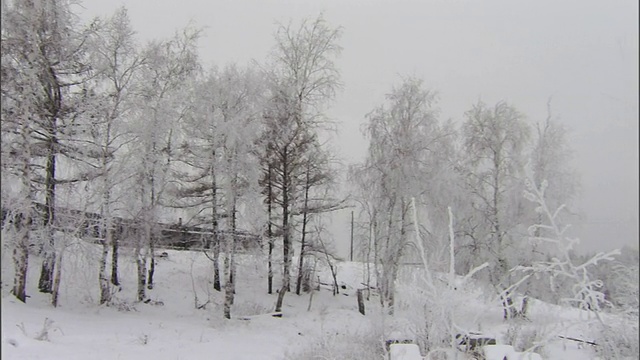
287 143
303 77
45 46
197 166
318 180
19 106
217 161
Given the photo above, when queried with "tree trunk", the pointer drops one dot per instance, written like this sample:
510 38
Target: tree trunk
106 234
150 219
360 301
336 289
234 243
228 290
286 239
45 283
283 289
368 263
270 233
304 232
216 239
56 282
387 273
141 265
228 286
105 291
216 262
54 103
229 250
114 255
392 289
21 256
376 256
152 265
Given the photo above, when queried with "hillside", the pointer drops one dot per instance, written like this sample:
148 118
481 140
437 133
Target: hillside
170 327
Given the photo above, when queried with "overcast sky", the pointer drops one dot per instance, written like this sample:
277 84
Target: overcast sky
583 54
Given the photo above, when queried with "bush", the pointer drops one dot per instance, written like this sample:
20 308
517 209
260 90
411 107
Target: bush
525 337
354 346
619 339
249 308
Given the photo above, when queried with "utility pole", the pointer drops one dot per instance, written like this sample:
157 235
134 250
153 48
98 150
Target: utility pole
351 253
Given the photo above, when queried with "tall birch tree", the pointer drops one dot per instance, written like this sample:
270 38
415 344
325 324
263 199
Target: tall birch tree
495 141
117 62
168 65
404 134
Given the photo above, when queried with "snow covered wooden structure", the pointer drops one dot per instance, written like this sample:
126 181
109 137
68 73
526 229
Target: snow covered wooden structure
86 225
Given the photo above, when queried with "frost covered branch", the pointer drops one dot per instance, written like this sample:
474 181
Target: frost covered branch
585 290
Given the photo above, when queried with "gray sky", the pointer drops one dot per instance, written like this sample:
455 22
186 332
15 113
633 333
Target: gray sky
582 53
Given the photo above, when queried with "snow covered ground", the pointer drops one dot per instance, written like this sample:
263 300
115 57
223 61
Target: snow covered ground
172 328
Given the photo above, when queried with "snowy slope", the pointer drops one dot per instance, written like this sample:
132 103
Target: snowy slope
172 328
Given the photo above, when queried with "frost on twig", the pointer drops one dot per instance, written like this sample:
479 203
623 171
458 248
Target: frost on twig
585 290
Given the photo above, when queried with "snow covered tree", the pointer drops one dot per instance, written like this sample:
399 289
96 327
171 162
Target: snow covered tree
405 139
240 127
167 66
550 161
288 141
549 158
117 63
219 134
317 181
46 48
495 140
198 163
586 291
19 106
303 78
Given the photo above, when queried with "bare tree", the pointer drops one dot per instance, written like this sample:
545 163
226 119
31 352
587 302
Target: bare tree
197 164
550 161
212 168
586 290
495 140
238 108
117 62
405 137
303 79
168 66
318 178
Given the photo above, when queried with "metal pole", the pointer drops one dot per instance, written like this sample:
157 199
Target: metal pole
351 254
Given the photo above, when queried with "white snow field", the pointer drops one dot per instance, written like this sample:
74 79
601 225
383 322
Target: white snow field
170 327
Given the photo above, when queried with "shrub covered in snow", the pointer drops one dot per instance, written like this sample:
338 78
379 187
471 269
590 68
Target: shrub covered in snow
355 346
619 339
